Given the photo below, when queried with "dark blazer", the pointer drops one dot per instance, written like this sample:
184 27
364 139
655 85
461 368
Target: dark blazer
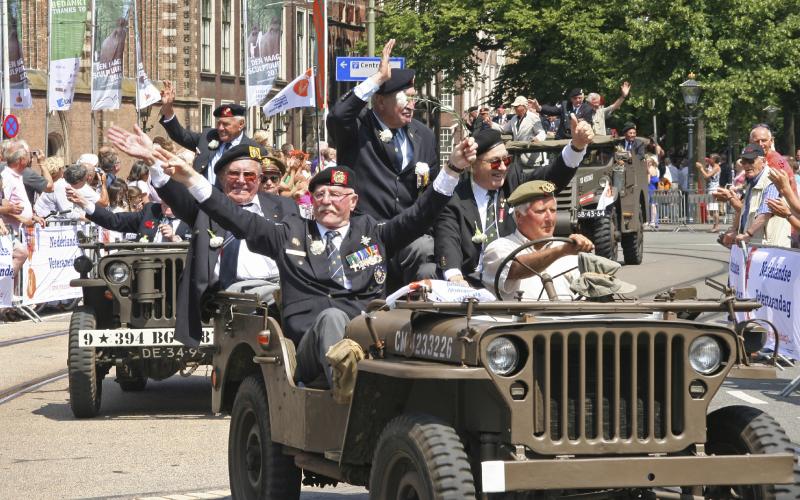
383 189
456 225
306 286
143 223
638 147
201 258
563 110
197 142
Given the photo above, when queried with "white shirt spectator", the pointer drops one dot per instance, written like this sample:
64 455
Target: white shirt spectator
14 191
55 202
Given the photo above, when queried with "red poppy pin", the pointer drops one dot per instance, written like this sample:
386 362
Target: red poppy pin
149 224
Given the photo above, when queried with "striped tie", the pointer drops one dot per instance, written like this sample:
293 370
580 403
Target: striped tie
334 258
491 218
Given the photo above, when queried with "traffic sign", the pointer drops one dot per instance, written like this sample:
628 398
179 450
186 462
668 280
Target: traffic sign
11 126
356 69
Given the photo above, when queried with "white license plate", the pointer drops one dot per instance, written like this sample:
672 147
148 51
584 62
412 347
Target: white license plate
169 352
589 214
136 337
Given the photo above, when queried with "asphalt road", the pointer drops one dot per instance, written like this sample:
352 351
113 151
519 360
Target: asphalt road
164 443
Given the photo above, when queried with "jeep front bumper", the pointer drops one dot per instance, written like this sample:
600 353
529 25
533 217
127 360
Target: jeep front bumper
636 472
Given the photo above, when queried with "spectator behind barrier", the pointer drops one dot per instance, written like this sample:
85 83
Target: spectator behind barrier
57 200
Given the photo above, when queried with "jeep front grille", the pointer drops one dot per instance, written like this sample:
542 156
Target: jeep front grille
607 387
156 303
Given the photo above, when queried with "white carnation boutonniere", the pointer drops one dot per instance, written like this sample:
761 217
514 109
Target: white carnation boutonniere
423 174
213 144
215 241
386 135
144 239
317 247
479 236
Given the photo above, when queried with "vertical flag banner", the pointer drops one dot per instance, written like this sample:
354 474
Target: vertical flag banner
67 31
298 94
108 45
146 92
264 27
18 78
321 56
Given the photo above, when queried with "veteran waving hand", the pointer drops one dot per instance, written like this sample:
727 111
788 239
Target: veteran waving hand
330 267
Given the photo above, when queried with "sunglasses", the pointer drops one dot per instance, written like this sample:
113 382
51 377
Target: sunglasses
273 178
495 164
248 176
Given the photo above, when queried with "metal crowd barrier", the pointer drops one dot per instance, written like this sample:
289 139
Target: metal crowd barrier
685 208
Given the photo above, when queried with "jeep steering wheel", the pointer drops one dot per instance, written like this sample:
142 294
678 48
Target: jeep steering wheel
513 256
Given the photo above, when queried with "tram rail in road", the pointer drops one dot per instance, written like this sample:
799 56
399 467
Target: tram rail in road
6 343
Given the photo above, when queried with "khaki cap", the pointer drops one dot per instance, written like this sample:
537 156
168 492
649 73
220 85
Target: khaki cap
530 191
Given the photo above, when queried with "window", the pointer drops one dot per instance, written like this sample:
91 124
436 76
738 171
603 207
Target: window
445 144
206 113
226 38
207 36
301 46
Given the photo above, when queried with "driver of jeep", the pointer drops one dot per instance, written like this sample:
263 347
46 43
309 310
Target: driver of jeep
534 209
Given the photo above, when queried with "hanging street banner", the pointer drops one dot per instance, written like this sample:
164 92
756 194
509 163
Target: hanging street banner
146 92
108 45
18 78
298 94
263 24
67 31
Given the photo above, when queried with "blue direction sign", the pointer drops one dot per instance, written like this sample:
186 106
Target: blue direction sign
355 69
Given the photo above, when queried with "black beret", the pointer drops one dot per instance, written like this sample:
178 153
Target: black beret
486 139
472 108
628 126
229 110
575 92
239 152
333 176
401 79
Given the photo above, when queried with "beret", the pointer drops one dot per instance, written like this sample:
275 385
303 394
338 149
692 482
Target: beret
575 92
239 152
271 161
401 79
530 191
229 110
486 139
339 175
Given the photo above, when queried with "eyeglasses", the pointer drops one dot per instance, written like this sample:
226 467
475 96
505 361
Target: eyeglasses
248 176
334 197
495 164
273 178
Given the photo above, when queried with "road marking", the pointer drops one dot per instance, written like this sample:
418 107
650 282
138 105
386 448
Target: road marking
746 397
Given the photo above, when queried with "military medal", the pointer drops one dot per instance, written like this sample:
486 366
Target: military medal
366 257
365 240
379 275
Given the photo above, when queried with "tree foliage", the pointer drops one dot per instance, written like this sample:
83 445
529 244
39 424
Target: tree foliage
743 52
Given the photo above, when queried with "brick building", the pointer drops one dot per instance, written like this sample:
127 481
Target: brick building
196 44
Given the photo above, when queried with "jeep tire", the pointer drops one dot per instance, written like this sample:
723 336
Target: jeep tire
739 430
85 381
257 467
420 457
633 244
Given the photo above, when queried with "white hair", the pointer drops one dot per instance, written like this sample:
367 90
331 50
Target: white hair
591 97
769 132
520 210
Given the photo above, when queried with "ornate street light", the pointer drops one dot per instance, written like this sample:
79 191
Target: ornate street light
691 90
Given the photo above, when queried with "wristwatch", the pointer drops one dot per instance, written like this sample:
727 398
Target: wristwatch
454 169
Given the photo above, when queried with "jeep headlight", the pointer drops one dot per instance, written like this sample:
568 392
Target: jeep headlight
705 355
502 356
117 272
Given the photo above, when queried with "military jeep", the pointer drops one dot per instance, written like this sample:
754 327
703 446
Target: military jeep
505 399
619 216
127 320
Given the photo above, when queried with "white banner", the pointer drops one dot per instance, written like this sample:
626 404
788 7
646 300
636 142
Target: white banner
48 270
298 94
6 271
771 276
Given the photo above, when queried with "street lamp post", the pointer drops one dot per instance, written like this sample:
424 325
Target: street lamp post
690 90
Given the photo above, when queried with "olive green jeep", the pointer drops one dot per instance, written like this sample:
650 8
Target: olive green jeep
504 399
606 200
127 320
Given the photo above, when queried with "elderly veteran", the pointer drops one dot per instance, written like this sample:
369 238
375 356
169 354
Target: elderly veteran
333 266
211 143
217 260
535 213
394 156
479 213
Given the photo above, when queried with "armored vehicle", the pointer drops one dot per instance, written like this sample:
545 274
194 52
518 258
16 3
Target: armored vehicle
509 399
606 200
127 320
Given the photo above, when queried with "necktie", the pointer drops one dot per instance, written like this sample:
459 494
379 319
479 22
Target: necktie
335 267
229 263
628 145
224 147
491 221
519 123
397 143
